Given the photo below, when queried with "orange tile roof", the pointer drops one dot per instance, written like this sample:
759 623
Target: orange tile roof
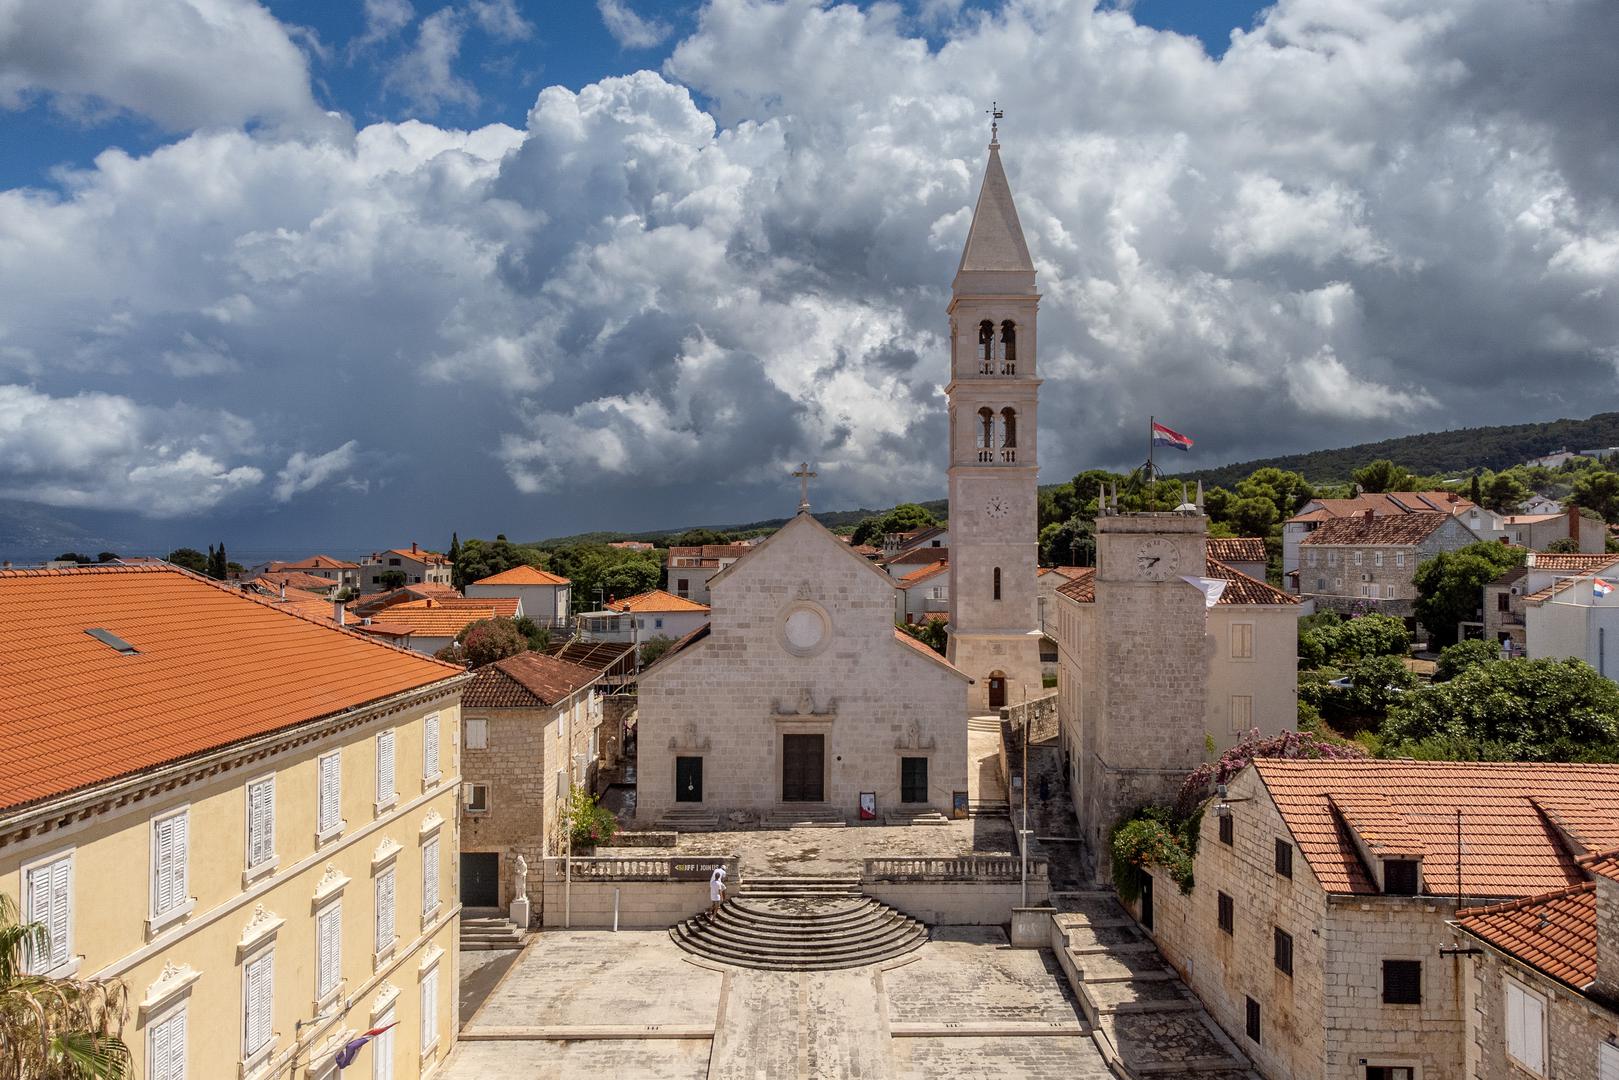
524 681
1382 829
212 666
1530 519
443 618
1382 529
657 600
524 575
917 576
1603 864
905 639
1067 573
1555 933
1231 549
316 562
1392 502
1590 824
1510 848
708 555
1242 589
917 555
1575 577
425 590
1082 587
421 555
294 579
1544 560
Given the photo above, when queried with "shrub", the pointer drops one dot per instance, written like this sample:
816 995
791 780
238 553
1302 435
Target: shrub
1148 836
1457 658
592 823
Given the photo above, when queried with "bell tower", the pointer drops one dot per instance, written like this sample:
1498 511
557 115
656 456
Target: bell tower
994 619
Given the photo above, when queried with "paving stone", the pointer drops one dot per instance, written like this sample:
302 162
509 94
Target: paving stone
1095 967
1042 1058
1112 995
643 1059
962 981
1104 936
1157 1038
1092 907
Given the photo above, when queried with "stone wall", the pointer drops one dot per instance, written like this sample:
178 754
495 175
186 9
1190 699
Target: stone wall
642 905
519 766
1608 935
732 697
964 903
1575 1025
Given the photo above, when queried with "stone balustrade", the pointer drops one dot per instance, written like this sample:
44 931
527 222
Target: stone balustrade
976 868
638 868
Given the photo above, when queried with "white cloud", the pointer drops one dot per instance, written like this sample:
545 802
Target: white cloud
181 63
106 452
196 357
306 472
426 76
630 30
383 19
637 307
501 19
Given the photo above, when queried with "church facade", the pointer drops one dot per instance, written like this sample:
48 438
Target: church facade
801 693
993 392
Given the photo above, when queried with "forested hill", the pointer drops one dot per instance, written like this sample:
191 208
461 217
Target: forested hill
1448 453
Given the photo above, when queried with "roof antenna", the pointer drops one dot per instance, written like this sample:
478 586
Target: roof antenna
996 115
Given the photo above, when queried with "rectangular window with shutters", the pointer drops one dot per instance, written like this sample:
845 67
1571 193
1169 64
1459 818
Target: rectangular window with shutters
387 789
328 949
166 1045
1253 1019
1400 877
476 797
1242 641
1402 982
1226 830
476 732
261 822
1284 858
429 1009
1377 558
430 765
1399 559
430 875
329 820
1526 1026
382 1053
1226 913
1608 1060
258 997
1242 713
1283 950
170 858
385 911
48 901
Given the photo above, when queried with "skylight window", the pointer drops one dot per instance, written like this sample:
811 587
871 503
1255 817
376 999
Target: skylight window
108 638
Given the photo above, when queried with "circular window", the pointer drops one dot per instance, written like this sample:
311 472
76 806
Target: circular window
805 629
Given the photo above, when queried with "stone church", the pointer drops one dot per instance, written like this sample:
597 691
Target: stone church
800 694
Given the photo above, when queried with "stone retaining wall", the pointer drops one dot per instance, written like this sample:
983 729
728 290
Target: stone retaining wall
642 905
964 903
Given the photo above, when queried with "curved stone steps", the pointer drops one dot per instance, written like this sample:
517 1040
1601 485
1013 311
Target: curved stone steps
807 932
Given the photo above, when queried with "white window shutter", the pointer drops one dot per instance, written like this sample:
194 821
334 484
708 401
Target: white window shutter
261 822
169 1047
385 910
1608 1060
477 732
430 872
181 856
163 868
330 791
385 766
429 1009
329 944
61 909
382 1056
259 980
430 746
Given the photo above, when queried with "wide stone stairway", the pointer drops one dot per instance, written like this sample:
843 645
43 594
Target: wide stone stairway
800 924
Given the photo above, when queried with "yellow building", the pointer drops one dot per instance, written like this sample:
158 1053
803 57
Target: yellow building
247 816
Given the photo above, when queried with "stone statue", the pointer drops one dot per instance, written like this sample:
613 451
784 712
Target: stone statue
522 876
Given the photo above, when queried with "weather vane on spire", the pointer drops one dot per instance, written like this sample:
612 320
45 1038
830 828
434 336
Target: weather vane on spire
996 115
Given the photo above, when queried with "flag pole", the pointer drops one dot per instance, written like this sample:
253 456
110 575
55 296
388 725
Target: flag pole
1151 420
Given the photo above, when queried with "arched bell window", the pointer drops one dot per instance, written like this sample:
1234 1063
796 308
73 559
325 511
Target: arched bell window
986 347
1008 427
1008 348
986 428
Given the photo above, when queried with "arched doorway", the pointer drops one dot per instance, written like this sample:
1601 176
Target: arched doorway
997 689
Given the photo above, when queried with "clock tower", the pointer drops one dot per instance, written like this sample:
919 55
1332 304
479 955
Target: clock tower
994 621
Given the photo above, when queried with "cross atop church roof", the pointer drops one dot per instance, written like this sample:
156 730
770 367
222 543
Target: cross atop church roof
804 475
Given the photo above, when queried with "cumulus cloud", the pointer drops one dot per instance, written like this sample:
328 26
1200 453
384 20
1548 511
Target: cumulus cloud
305 472
501 19
425 76
630 30
181 63
383 19
670 286
104 451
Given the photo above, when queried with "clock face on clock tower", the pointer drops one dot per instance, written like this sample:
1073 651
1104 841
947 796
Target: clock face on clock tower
997 508
1156 559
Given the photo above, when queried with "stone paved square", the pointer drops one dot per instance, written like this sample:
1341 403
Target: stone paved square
969 973
1053 1057
1165 1037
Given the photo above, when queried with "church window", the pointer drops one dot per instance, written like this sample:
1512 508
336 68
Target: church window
1008 348
1009 427
986 348
986 433
997 583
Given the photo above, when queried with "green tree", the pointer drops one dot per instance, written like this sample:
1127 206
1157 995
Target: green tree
1326 639
1449 585
698 538
479 559
73 557
55 1029
1504 493
392 579
1383 475
1563 545
654 647
903 518
218 564
589 822
1252 516
189 559
600 573
1598 490
487 640
1522 710
1457 658
107 556
537 636
930 632
1067 543
454 554
1287 490
1475 490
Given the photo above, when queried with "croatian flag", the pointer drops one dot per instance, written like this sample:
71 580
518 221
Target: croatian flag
1162 436
351 1049
1600 587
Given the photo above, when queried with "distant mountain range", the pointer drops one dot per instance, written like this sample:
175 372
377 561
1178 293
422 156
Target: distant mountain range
1449 453
33 533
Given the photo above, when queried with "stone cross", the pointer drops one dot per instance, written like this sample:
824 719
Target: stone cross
804 477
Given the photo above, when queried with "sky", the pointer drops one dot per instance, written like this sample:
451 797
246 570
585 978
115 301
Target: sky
319 275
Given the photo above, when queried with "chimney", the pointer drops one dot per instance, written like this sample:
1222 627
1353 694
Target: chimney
339 613
1370 513
413 547
1574 524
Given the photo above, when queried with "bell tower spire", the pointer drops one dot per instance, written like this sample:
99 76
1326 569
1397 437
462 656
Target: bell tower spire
993 393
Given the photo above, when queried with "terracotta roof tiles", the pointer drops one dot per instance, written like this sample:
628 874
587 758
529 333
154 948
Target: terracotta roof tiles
523 575
446 617
1555 933
1542 560
212 666
1242 589
523 681
916 577
657 600
1231 549
1081 587
1381 529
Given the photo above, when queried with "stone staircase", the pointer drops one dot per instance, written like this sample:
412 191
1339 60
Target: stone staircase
489 928
810 816
915 817
800 924
687 819
1145 1020
991 723
988 808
